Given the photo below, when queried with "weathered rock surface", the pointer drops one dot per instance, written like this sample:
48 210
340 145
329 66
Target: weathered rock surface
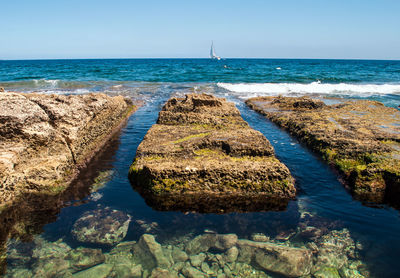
203 243
201 146
46 139
150 254
289 261
360 138
83 258
101 226
99 271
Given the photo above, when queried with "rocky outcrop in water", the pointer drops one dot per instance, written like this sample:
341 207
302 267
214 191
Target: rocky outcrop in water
101 226
200 147
46 139
360 138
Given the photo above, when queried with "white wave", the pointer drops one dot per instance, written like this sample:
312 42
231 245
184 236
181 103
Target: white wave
46 82
272 89
117 86
65 92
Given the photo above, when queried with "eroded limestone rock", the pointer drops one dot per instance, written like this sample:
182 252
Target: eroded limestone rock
201 146
360 138
46 139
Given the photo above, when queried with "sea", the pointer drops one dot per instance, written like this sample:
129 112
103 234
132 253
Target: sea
349 238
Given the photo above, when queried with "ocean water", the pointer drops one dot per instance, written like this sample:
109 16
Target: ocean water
351 238
240 77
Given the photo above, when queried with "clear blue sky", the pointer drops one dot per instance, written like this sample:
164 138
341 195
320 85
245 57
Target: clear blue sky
362 29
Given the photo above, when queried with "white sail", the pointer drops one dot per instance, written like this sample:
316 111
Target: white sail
212 52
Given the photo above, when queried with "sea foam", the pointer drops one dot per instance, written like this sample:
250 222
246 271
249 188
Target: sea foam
246 90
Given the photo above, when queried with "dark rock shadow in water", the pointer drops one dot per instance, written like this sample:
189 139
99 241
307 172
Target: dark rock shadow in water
211 203
27 216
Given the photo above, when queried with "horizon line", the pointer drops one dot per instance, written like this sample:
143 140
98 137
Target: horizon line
199 58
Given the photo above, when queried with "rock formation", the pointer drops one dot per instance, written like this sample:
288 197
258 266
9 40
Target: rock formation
360 138
46 139
101 226
200 147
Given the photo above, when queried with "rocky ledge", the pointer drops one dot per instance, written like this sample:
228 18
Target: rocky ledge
200 147
360 138
46 139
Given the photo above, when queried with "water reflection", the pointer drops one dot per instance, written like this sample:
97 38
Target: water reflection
211 203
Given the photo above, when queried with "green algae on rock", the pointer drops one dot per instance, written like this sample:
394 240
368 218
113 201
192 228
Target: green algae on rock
201 146
46 139
360 138
101 226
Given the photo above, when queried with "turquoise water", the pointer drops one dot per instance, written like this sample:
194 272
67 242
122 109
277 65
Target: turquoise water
36 236
204 70
242 77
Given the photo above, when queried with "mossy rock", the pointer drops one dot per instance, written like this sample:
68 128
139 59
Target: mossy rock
201 145
361 139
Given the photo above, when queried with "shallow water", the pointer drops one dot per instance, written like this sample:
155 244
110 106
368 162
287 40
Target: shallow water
363 236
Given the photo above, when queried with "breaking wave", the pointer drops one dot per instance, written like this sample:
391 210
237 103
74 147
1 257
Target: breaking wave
271 89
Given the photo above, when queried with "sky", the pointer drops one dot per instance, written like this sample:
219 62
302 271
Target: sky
340 29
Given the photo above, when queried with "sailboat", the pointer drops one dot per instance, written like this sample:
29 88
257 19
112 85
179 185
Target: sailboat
212 53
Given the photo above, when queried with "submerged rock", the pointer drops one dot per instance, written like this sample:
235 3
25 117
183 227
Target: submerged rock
101 180
149 253
197 260
127 271
179 255
333 254
83 258
334 250
192 272
46 139
99 271
163 273
203 243
289 261
327 272
202 148
360 138
46 249
42 258
54 267
101 226
232 254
